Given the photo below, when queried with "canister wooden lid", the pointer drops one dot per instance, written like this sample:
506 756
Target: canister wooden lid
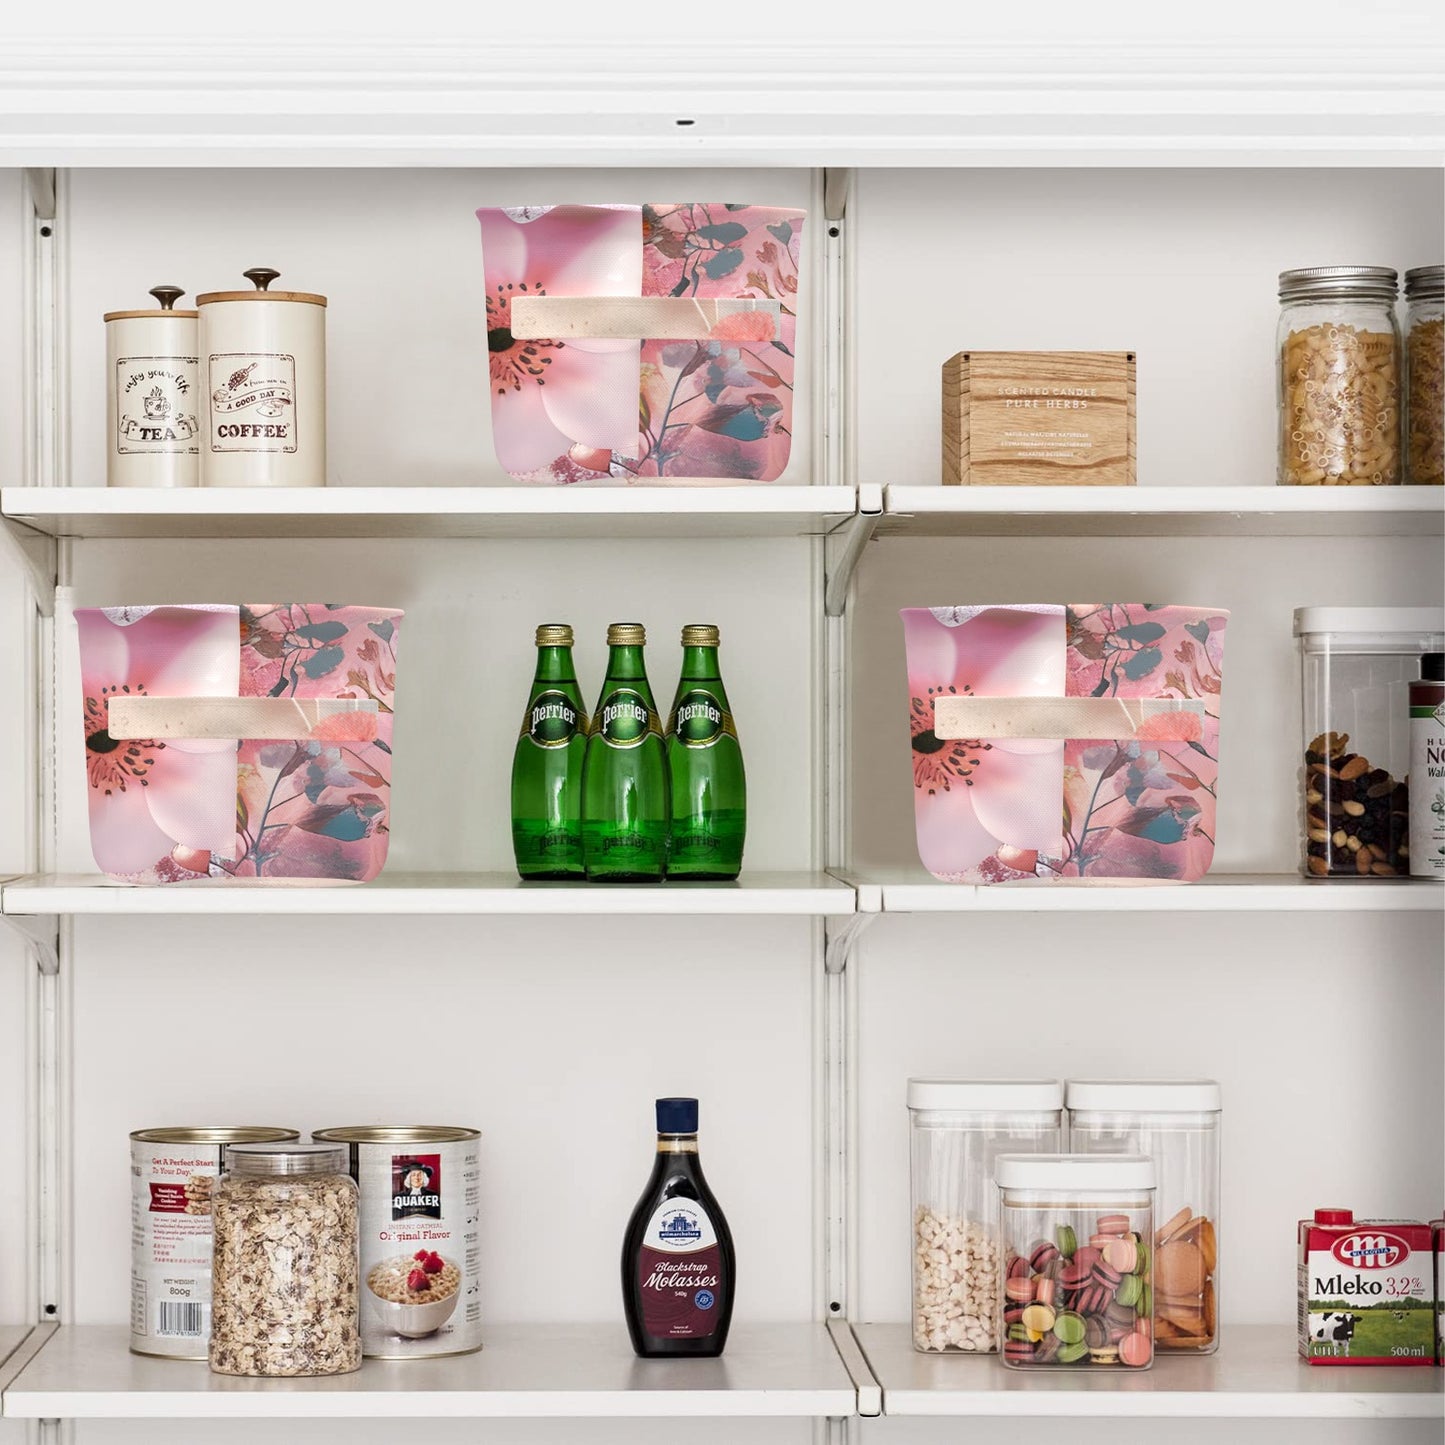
262 277
167 296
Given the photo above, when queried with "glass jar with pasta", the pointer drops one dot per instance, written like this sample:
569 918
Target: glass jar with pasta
1425 375
1339 377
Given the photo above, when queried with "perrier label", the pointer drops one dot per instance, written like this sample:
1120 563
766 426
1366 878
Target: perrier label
624 783
705 767
547 765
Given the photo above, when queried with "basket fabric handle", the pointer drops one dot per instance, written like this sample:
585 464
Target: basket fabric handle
643 318
1057 719
244 719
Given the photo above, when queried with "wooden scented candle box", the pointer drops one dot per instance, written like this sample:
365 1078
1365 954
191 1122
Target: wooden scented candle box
1039 418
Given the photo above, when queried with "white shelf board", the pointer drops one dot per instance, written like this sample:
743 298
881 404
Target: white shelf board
437 894
912 890
1255 1375
1266 511
71 100
578 511
523 1371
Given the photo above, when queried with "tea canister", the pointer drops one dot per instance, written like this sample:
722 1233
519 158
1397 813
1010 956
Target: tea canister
263 371
152 395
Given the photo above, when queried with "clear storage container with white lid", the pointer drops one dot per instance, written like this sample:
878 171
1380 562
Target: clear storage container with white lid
1357 664
958 1128
1077 1261
1176 1123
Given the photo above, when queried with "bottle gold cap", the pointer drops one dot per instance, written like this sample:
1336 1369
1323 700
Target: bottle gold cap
626 634
554 634
700 634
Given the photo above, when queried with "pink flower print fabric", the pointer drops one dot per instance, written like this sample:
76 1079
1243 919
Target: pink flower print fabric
1011 809
184 809
589 410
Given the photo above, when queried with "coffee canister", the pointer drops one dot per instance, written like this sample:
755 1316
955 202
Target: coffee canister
263 371
152 395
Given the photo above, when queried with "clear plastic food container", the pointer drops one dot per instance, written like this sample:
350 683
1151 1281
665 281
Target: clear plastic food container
1357 664
284 1282
1176 1123
1077 1262
958 1129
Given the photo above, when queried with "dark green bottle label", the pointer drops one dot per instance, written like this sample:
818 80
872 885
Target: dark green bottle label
552 720
699 719
624 719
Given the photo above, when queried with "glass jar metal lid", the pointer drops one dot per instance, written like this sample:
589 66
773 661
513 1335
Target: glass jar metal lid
1425 283
1339 283
276 1160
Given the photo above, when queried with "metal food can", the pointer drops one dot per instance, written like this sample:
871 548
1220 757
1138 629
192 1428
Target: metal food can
420 1237
263 375
152 395
172 1174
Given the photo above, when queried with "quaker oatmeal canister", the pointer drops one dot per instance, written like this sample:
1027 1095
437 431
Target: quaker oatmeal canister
420 1237
172 1175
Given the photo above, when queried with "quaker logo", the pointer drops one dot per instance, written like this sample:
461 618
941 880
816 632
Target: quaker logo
679 1227
416 1186
1377 1250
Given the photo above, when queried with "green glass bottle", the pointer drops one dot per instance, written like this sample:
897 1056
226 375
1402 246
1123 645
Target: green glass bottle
705 765
624 783
547 765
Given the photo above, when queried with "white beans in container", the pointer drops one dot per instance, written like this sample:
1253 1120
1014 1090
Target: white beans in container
420 1237
958 1129
172 1180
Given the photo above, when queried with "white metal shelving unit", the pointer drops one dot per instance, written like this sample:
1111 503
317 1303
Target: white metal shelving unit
844 119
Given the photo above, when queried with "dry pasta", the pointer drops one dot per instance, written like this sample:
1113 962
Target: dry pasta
1341 413
1425 402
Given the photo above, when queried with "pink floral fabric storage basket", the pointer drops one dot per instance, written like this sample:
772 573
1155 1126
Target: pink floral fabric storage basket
642 343
1075 742
248 741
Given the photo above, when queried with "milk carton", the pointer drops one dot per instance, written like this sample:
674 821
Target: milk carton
1438 1226
1366 1291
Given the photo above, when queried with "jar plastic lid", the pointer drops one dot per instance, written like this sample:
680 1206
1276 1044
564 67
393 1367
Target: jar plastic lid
1368 619
1339 283
1145 1096
985 1095
287 1159
1074 1171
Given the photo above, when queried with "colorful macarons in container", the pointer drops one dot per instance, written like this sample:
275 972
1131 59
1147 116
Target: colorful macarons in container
1076 1260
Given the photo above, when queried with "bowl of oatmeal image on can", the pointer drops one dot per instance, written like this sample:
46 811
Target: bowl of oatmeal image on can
420 1236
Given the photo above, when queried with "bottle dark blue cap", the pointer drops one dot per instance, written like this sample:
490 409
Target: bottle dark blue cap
677 1116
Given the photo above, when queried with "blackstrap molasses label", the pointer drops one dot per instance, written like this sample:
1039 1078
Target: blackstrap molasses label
679 1271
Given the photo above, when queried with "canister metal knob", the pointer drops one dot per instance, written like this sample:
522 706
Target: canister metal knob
167 295
262 276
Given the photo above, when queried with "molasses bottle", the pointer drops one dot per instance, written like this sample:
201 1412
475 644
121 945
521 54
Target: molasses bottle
678 1267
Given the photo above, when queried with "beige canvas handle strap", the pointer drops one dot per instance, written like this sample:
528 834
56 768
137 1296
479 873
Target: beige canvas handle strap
644 318
335 719
1057 719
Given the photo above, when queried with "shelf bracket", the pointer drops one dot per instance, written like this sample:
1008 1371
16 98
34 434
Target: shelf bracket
39 555
40 180
841 936
837 185
850 540
40 932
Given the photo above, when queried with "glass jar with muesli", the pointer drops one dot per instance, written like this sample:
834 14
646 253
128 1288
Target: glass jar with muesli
1339 377
1425 376
286 1265
1357 664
